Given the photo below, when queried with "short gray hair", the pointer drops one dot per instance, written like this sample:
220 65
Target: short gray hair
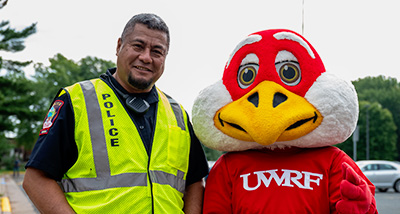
152 21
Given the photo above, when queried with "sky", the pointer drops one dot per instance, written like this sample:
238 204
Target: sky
355 38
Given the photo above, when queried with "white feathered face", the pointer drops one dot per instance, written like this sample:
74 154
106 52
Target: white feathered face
275 93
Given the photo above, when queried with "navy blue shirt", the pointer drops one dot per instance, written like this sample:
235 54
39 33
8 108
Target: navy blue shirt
145 123
55 151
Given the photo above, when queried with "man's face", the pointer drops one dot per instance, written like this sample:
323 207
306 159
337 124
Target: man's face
141 58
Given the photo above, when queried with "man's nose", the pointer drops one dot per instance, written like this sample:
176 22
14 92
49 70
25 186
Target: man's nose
145 56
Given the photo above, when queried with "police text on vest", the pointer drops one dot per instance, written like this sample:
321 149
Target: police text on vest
113 132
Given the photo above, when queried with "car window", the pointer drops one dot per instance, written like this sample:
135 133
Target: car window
386 167
370 167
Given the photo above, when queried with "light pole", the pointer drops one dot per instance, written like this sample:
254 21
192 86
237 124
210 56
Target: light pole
367 134
356 135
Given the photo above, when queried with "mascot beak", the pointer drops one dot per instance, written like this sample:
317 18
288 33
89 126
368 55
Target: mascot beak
268 113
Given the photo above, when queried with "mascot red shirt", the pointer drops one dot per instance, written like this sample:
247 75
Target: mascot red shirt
277 113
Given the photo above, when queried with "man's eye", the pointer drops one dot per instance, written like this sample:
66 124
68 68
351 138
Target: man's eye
158 53
137 46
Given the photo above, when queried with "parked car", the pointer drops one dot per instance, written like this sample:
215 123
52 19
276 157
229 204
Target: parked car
383 174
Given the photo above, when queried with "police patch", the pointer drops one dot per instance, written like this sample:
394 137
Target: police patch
51 116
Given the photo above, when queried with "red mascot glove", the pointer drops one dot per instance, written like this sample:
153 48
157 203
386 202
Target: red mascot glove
357 198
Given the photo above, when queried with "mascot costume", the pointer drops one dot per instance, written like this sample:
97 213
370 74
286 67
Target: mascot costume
277 113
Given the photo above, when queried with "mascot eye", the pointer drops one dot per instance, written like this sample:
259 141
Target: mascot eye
289 72
246 75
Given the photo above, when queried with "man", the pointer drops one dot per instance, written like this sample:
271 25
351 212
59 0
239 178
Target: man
118 144
16 168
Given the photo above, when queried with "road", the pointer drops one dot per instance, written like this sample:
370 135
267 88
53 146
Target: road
388 202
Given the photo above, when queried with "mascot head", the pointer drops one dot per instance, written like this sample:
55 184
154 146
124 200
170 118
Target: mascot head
275 93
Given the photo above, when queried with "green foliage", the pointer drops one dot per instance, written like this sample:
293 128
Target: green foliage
211 154
5 147
3 3
24 102
7 163
379 96
16 91
12 40
382 136
63 72
385 91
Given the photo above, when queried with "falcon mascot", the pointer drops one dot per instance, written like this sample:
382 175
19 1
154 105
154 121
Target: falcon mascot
276 113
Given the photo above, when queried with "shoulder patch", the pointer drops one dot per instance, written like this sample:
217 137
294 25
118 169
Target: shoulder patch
51 116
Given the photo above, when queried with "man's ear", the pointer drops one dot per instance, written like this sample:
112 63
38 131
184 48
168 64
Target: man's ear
119 44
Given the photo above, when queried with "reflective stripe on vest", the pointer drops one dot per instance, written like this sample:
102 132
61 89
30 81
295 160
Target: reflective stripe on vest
177 111
104 180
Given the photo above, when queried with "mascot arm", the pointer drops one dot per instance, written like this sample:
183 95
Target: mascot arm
218 191
357 193
349 189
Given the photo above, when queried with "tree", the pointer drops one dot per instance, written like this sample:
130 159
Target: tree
385 91
15 89
63 72
13 85
3 3
13 40
27 101
382 137
48 81
4 148
24 102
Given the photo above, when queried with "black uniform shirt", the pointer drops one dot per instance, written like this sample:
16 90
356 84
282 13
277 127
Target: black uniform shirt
145 123
56 151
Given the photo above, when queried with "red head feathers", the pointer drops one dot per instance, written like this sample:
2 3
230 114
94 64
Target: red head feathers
275 93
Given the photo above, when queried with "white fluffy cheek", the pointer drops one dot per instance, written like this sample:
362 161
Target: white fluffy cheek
339 108
207 103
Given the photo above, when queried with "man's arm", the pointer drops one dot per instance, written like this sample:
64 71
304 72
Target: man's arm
45 193
193 198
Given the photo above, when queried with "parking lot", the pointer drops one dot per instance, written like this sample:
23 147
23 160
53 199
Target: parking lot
388 202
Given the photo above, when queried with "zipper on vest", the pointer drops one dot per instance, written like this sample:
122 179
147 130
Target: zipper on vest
148 150
150 185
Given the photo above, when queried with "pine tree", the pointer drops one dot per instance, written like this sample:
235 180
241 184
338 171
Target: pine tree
15 88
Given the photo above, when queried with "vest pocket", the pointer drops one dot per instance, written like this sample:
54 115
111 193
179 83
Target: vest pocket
178 148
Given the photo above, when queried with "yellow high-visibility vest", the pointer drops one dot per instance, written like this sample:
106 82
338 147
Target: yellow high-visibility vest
113 173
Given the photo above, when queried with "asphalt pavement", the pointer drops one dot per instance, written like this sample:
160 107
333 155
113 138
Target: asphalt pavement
15 201
388 202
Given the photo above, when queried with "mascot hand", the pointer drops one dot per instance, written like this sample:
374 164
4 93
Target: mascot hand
356 195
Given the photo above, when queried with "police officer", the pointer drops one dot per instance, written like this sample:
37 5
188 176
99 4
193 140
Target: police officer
118 144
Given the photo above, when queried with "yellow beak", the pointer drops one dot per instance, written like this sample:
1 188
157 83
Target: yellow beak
267 114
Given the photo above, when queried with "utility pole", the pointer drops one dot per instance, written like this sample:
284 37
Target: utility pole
302 21
367 134
356 137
